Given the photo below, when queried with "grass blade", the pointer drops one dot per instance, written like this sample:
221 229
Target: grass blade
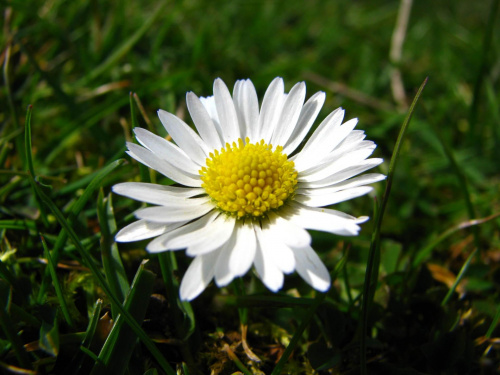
320 297
116 352
375 242
75 210
459 278
55 282
122 50
111 261
89 261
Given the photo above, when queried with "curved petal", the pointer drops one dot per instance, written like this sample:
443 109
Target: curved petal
364 179
306 120
271 108
325 131
146 157
160 243
209 131
141 230
311 268
185 137
209 104
343 175
268 271
348 155
323 219
198 275
223 273
247 108
287 232
289 115
163 214
276 250
206 239
166 150
243 252
328 199
226 111
329 169
162 195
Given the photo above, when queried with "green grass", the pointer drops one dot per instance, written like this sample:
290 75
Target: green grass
78 76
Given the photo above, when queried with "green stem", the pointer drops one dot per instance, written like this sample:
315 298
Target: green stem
375 243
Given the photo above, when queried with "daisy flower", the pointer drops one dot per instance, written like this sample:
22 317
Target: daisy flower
245 194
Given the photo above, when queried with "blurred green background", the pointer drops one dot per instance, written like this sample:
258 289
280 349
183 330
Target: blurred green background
76 63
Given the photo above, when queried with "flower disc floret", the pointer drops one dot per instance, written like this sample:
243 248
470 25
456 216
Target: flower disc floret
249 179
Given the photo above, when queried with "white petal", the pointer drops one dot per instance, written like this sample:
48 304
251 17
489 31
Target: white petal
268 271
243 252
140 230
198 275
319 142
364 179
328 199
185 137
156 194
146 157
208 130
247 107
276 250
270 111
209 104
226 111
290 114
206 239
162 214
166 150
342 157
311 268
323 219
160 243
343 175
307 116
329 169
288 232
223 272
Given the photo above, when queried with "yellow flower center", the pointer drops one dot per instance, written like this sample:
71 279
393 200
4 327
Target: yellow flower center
249 179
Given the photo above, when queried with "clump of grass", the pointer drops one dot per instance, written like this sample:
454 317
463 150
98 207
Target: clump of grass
75 302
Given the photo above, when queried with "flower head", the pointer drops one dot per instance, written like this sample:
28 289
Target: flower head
246 195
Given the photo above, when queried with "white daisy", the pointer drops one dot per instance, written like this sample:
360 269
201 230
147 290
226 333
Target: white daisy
244 200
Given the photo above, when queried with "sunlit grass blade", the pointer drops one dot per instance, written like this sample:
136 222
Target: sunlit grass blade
318 300
494 323
116 352
9 329
49 336
111 261
236 360
12 107
375 242
77 362
29 159
459 278
124 48
90 262
482 70
75 210
18 224
57 285
426 251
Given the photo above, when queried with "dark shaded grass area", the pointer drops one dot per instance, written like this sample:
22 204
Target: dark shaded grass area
76 62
